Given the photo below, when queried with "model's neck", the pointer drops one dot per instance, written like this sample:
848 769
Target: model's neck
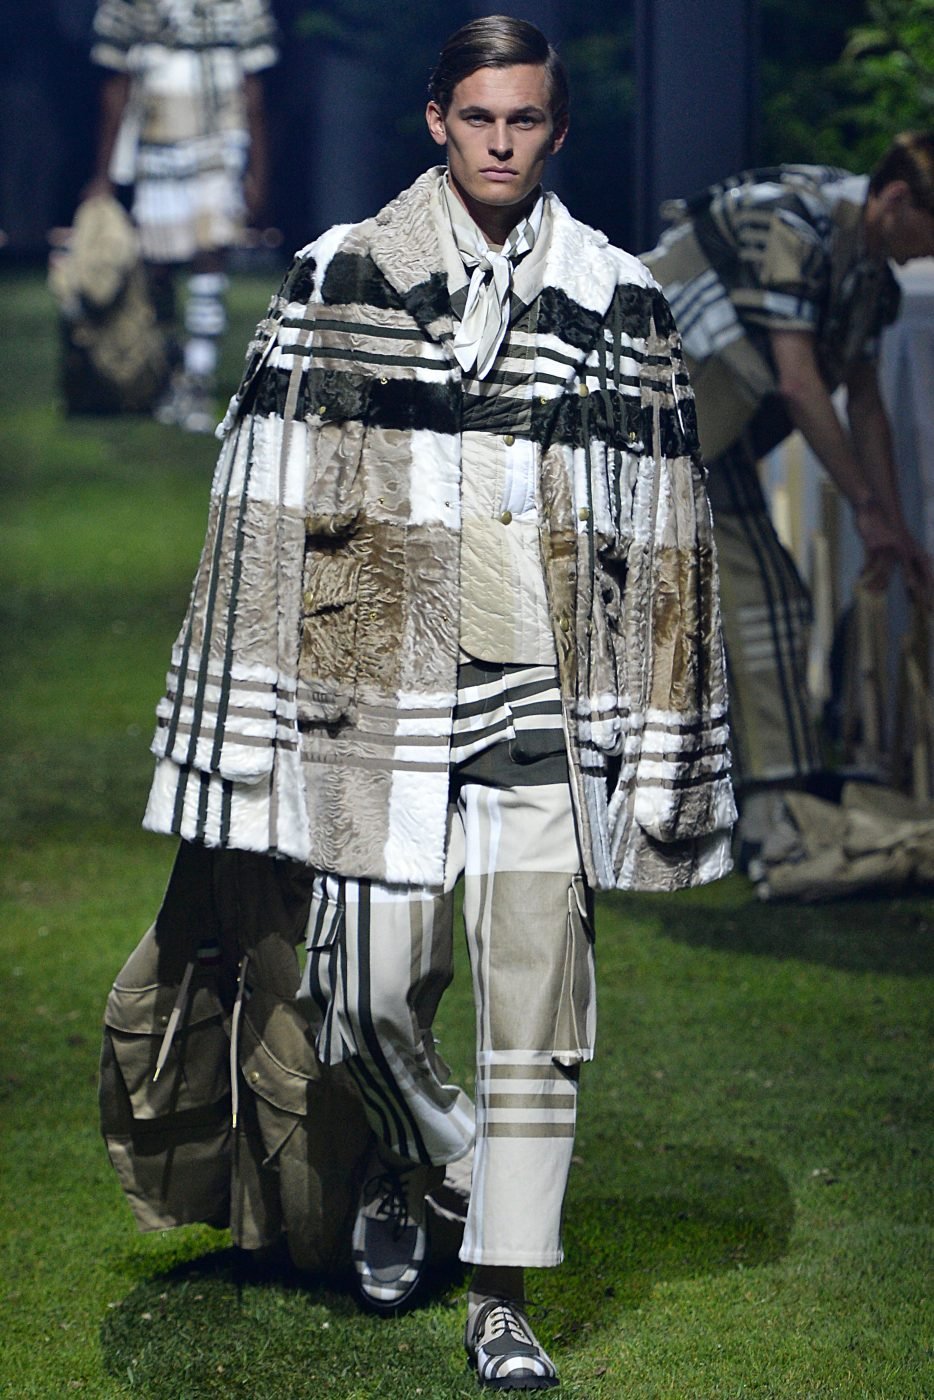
496 223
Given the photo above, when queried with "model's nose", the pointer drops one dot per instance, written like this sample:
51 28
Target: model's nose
500 142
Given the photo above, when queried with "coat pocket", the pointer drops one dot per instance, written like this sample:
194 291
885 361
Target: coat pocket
305 1143
327 662
168 1138
194 1077
278 1060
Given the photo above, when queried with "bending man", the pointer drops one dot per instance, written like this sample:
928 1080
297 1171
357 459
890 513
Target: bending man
780 286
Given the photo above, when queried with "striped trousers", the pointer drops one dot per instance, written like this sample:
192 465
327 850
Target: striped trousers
380 958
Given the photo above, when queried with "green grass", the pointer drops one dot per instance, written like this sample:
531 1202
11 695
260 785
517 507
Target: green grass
746 1216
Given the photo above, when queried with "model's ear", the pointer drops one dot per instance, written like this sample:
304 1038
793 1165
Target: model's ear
435 119
895 194
560 134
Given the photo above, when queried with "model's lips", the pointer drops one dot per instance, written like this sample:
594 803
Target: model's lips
496 173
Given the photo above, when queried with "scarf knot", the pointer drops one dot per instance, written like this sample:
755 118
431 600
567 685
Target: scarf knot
486 315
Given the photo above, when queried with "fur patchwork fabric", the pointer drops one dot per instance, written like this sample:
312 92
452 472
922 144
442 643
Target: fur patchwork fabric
308 708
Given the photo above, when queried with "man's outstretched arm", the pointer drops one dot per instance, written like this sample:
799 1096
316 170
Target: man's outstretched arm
872 443
114 95
859 461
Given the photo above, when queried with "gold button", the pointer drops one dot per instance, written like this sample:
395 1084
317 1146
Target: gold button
583 513
322 408
509 439
543 399
583 391
383 379
254 1076
309 600
632 434
163 1020
564 624
506 517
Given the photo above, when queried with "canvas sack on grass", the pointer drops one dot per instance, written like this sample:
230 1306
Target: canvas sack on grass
875 839
114 357
879 837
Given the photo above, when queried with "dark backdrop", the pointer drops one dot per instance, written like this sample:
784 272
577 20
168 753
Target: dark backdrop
345 106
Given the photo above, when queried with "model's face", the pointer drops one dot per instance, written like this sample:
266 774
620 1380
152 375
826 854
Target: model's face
499 132
904 230
911 235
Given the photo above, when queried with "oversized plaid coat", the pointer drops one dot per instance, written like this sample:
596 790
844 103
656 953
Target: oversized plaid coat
309 703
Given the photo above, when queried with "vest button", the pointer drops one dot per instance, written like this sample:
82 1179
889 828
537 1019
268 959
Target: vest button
506 517
322 408
632 434
254 1076
583 391
565 624
583 513
509 439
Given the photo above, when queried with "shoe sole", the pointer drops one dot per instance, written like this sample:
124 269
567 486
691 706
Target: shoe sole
520 1383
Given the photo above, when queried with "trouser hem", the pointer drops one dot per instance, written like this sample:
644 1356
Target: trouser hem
512 1259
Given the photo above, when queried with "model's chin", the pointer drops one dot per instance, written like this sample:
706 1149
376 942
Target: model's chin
492 190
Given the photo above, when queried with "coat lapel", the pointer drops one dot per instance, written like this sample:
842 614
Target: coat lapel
403 243
576 266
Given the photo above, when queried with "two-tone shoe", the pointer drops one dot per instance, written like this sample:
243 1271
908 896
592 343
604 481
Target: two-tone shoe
391 1233
504 1350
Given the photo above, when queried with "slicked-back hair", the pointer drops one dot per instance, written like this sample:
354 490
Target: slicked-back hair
910 158
498 41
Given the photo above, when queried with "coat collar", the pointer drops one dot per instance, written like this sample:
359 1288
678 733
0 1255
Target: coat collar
404 245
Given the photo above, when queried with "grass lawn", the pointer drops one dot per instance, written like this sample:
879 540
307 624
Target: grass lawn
749 1213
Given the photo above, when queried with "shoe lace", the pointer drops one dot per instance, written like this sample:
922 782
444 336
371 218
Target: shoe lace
503 1320
390 1190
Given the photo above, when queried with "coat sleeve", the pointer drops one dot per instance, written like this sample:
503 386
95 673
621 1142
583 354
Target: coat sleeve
682 788
231 691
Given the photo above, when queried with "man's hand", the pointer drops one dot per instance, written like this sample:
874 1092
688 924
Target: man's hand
919 571
890 545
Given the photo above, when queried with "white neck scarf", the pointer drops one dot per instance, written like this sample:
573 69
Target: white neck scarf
486 316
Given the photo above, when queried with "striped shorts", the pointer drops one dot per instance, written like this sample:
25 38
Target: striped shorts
188 198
